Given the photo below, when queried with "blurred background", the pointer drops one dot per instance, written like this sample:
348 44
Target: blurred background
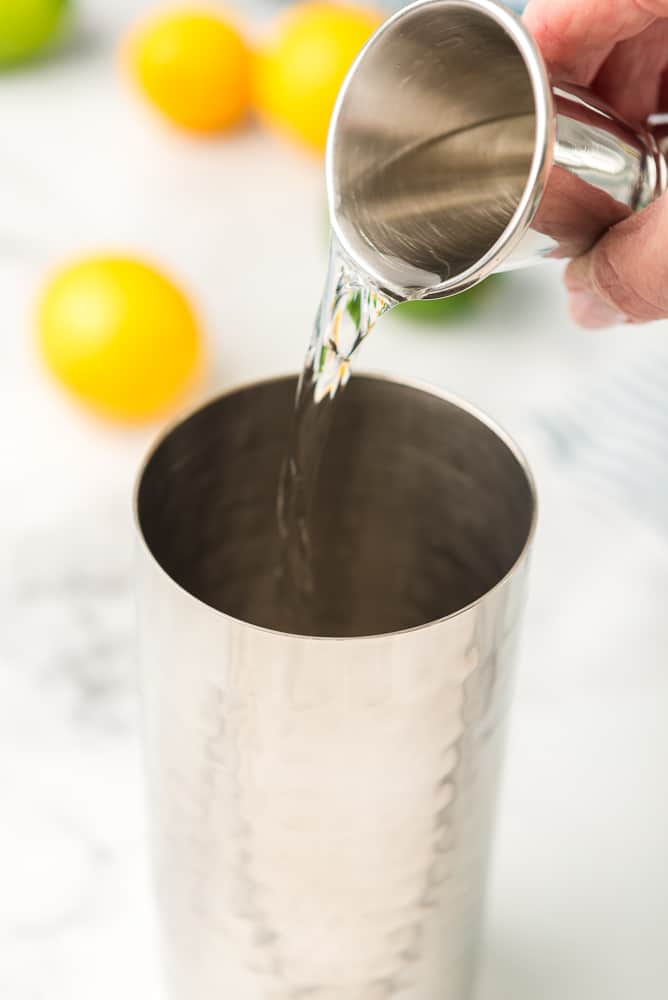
163 235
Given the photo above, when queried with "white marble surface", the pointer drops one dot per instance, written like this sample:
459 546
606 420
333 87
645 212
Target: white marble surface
579 900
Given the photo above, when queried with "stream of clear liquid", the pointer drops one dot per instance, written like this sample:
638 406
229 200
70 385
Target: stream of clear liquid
348 311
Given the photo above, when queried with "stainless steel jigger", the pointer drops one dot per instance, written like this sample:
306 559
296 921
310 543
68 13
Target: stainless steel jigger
452 154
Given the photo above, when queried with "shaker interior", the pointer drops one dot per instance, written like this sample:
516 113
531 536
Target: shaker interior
433 145
421 508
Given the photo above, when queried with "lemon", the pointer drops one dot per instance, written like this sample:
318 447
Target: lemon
27 27
298 73
119 335
194 66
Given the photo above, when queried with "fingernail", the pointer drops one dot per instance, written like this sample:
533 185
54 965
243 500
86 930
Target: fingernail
591 311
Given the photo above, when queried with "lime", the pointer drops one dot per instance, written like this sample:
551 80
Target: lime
454 307
27 27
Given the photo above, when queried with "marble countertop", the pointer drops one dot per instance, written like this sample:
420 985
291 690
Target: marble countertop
579 894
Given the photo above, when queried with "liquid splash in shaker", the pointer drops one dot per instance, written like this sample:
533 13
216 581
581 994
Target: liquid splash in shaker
348 311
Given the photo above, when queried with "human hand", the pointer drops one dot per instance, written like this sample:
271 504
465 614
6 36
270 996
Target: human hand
619 48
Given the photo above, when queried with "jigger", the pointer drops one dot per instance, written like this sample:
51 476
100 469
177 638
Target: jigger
452 154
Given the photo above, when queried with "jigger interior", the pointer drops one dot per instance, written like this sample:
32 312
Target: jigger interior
439 146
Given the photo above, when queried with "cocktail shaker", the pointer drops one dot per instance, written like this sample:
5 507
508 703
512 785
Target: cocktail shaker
452 154
322 804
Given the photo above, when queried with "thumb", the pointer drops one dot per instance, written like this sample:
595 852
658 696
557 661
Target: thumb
624 277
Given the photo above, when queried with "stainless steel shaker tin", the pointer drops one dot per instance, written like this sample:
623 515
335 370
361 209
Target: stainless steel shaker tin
322 807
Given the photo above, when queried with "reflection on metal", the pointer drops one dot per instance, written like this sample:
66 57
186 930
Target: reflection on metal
451 153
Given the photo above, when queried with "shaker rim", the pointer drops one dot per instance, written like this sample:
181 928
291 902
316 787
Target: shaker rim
409 383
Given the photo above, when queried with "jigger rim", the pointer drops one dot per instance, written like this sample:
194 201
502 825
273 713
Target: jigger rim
408 383
541 161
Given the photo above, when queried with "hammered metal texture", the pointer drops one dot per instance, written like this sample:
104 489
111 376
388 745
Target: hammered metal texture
322 808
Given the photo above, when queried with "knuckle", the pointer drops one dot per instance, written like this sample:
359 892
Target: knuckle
638 300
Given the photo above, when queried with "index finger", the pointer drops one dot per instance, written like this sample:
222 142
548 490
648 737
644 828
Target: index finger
576 38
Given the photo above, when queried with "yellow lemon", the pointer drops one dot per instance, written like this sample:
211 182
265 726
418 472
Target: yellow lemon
299 72
194 66
119 335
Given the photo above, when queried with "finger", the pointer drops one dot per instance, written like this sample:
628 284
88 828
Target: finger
624 278
576 37
631 78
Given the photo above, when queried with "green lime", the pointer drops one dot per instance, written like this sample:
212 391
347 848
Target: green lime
27 27
436 311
